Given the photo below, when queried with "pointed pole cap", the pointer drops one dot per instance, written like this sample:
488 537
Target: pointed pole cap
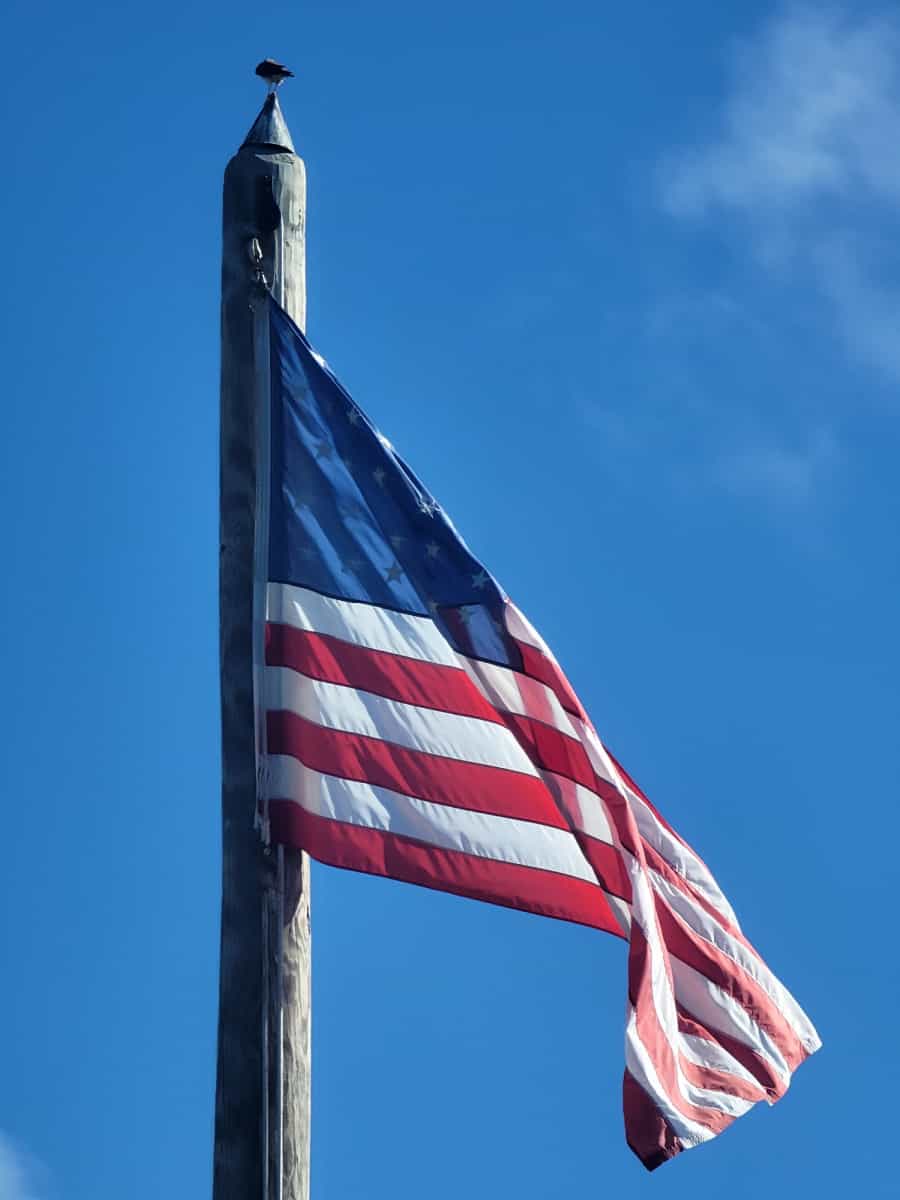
270 128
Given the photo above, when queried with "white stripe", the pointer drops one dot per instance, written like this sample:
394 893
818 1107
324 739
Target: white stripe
679 856
732 1106
703 999
351 710
621 911
580 806
713 1056
742 956
523 630
524 843
503 688
640 1065
497 684
362 624
662 996
643 911
715 1009
500 686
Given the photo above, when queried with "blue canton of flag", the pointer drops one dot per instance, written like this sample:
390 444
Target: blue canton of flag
349 518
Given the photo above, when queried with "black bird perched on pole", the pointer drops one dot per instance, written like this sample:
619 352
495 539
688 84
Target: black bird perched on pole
273 73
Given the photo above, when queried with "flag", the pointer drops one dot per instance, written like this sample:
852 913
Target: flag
418 727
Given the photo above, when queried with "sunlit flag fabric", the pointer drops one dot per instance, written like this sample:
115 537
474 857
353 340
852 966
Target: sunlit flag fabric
418 727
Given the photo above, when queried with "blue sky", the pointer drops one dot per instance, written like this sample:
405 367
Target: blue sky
622 283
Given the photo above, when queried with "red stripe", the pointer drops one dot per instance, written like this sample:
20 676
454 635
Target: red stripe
760 1068
537 699
682 943
549 748
630 783
648 1133
657 863
646 1130
357 848
653 1036
724 972
637 791
539 666
720 1081
412 772
607 865
409 680
727 970
555 751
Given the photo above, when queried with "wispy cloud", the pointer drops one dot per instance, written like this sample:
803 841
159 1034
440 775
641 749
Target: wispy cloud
789 476
850 270
812 114
805 157
19 1174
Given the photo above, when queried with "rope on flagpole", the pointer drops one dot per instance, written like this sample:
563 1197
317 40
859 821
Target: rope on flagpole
272 1017
279 1028
262 402
265 1134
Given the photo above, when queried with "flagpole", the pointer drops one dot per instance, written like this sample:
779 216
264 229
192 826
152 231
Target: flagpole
262 1129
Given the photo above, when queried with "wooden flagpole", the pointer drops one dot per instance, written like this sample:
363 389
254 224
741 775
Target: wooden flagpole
262 1115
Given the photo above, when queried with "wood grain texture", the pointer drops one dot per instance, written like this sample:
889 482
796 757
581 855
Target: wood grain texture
264 197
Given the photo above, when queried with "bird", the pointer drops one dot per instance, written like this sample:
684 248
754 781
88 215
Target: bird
273 73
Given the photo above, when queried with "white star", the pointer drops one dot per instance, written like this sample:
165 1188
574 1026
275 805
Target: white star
432 550
324 449
378 475
428 507
397 541
480 580
352 416
394 572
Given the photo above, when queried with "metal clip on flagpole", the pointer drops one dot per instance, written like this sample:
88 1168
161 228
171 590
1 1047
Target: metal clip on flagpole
255 254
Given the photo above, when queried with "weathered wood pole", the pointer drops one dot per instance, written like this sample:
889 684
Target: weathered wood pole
264 198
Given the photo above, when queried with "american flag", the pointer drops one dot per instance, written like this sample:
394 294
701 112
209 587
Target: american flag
418 727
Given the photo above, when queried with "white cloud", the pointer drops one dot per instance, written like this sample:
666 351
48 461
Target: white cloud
789 476
812 113
805 156
18 1173
867 308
